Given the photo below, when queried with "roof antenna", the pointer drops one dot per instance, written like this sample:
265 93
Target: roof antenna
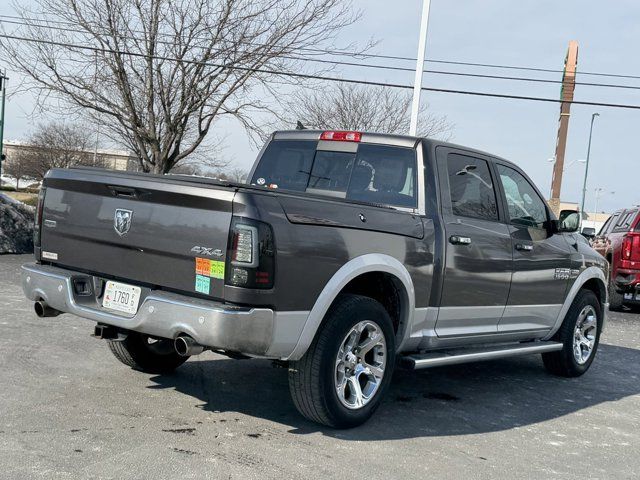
300 126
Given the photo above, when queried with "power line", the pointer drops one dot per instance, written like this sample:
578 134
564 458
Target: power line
364 55
386 67
319 77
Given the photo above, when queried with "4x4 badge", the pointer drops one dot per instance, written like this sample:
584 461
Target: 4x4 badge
122 221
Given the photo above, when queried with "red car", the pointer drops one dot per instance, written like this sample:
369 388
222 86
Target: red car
619 242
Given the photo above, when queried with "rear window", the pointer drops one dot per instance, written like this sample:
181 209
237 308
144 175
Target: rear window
380 174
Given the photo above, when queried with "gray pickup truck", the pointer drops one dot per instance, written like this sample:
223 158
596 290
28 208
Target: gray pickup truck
345 255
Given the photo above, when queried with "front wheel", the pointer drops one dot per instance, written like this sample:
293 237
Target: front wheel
579 335
147 354
342 378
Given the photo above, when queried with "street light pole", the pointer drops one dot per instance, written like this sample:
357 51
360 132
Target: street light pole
599 193
586 168
417 83
3 86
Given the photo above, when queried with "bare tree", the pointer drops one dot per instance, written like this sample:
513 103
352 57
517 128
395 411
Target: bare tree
57 145
235 174
157 74
356 107
19 165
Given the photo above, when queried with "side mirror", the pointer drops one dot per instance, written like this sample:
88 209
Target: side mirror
589 232
570 224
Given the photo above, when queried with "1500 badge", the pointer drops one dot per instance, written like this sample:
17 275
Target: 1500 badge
565 273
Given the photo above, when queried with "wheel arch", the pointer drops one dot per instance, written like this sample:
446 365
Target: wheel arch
353 277
592 278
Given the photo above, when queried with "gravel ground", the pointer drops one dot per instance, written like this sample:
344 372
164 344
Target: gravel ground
69 410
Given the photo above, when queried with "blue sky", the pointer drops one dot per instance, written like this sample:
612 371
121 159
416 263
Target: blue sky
527 33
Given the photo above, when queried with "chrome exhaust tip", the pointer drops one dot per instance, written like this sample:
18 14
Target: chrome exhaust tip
43 310
186 346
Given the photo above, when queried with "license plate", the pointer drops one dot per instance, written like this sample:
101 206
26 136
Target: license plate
121 297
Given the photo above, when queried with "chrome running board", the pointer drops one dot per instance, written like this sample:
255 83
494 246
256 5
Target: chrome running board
466 355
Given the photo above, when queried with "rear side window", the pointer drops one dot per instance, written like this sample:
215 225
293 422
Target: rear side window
380 174
611 223
626 221
472 192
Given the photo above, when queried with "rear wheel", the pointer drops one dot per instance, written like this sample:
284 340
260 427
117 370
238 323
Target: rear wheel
580 336
144 353
615 299
342 378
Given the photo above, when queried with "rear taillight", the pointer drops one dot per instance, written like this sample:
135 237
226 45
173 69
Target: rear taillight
37 228
341 136
630 253
250 259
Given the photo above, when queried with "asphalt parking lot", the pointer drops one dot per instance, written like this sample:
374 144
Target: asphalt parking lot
68 409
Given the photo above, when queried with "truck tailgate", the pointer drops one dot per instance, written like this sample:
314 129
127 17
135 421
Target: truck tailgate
141 229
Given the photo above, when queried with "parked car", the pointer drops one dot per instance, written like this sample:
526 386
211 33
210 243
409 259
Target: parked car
346 254
619 242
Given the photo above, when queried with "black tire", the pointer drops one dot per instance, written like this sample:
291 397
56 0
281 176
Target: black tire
312 378
140 352
563 362
616 300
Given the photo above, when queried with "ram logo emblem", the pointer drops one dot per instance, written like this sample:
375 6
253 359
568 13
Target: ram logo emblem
122 221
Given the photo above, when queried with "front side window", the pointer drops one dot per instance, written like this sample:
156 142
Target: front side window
526 208
471 189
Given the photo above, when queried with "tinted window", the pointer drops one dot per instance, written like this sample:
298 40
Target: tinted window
626 220
606 226
471 188
286 164
378 174
525 206
385 175
331 173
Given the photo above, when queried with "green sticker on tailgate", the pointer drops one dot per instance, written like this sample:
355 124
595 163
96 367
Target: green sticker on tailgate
203 284
217 269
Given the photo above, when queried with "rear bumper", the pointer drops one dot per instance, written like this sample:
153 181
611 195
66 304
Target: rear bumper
627 279
253 331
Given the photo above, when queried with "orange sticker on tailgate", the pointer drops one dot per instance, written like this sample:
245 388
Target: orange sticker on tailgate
203 266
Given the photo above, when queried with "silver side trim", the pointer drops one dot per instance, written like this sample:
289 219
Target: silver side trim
452 357
373 262
528 317
587 274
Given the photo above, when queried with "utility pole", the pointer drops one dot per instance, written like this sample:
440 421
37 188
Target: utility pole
586 168
566 95
417 83
3 87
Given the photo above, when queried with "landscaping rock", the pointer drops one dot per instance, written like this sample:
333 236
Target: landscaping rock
16 226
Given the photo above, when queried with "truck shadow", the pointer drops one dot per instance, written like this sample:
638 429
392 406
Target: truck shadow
456 400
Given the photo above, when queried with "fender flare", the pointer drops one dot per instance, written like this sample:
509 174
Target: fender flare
372 262
587 274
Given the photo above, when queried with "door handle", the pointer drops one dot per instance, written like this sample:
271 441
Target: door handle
458 240
524 247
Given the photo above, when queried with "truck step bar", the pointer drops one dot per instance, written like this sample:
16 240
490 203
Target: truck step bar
467 355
